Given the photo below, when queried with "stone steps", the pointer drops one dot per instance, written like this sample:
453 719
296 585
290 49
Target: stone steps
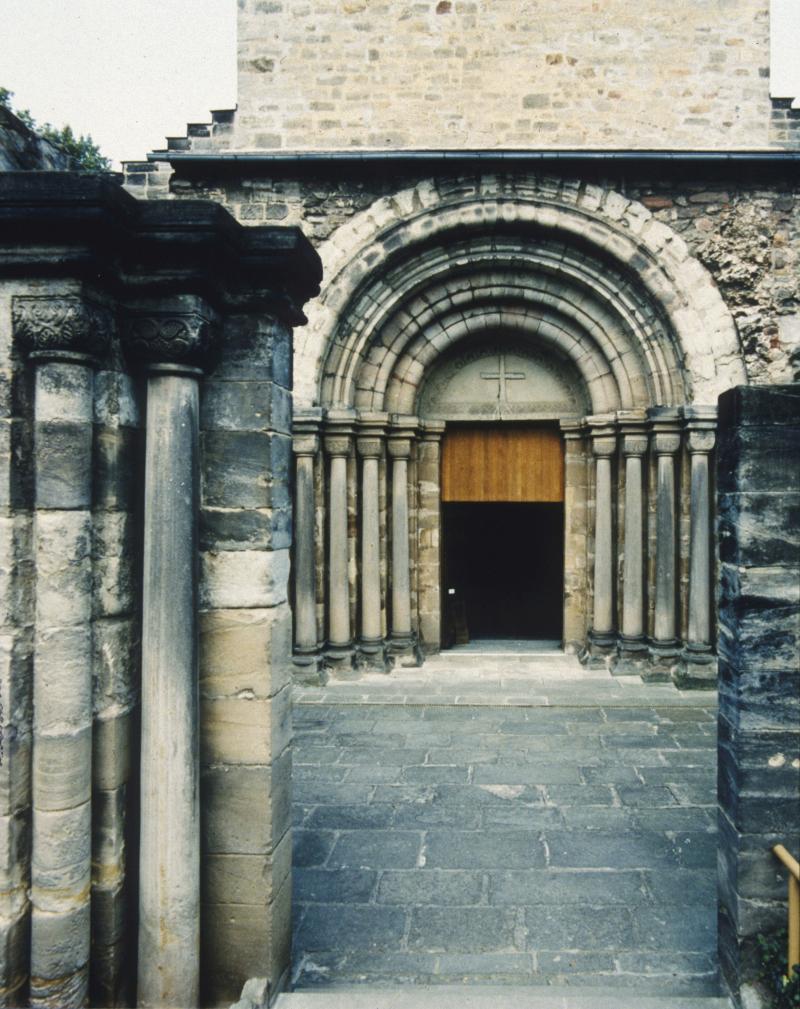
489 997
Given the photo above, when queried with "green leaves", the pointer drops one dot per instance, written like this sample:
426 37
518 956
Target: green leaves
84 153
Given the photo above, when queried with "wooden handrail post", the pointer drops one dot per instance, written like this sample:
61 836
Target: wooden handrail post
793 945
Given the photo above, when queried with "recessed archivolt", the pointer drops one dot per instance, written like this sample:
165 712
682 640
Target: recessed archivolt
589 255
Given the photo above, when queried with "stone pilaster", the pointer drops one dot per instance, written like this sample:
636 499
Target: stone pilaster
64 336
699 666
575 536
369 444
403 642
632 639
429 445
338 446
173 340
305 445
758 487
602 638
664 646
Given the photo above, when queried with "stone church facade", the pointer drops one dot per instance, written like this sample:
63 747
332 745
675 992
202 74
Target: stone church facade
542 241
475 225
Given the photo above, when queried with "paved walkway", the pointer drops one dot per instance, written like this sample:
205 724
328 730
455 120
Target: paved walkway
505 819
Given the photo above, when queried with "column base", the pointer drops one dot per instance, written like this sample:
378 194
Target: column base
308 668
632 656
405 650
371 656
599 650
664 658
339 662
697 669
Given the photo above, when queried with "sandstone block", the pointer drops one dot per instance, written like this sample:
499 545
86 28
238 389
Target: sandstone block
63 566
61 769
243 578
244 730
62 677
59 948
63 465
60 866
111 750
245 651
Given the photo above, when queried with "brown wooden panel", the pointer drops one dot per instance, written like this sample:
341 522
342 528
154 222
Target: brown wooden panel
502 463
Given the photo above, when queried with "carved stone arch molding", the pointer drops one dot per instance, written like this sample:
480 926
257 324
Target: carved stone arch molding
607 235
507 298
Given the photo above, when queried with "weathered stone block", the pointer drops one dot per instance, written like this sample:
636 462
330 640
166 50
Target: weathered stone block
256 348
109 817
63 465
64 393
14 947
759 529
61 763
16 463
63 568
117 451
17 578
59 946
246 809
247 879
244 469
245 651
243 578
15 841
242 730
245 406
116 646
114 551
111 750
60 867
16 679
239 529
62 677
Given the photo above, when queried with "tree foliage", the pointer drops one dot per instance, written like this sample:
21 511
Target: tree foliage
82 150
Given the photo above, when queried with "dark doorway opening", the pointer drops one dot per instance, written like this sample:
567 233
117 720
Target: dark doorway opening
503 571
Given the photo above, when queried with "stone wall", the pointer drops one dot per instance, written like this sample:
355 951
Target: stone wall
145 633
518 74
758 473
743 226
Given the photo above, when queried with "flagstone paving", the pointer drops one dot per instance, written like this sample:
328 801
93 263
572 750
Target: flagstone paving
564 836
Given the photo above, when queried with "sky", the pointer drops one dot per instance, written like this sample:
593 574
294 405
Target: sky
128 72
132 72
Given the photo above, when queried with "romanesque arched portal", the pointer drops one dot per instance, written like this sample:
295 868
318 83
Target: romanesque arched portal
509 301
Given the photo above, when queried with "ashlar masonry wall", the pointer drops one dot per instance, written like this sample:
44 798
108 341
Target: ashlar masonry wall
517 73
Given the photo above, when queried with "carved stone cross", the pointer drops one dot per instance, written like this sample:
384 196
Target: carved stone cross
501 376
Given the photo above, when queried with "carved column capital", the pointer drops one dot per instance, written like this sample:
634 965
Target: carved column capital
432 430
401 436
701 442
603 431
634 444
370 447
305 432
665 425
56 327
179 334
701 428
666 443
572 430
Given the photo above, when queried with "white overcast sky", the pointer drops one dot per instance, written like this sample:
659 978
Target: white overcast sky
128 72
131 72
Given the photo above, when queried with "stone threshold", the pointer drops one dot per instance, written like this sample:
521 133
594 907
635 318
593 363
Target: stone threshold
487 997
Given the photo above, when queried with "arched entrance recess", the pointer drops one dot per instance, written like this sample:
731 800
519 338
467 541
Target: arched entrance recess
589 289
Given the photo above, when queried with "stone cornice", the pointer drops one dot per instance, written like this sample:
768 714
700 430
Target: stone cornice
49 327
67 224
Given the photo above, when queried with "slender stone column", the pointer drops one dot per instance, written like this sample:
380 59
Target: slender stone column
174 341
602 639
666 444
576 619
338 443
62 335
370 448
698 654
306 446
632 642
429 525
399 444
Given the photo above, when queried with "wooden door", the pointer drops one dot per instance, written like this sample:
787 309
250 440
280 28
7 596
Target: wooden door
509 462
